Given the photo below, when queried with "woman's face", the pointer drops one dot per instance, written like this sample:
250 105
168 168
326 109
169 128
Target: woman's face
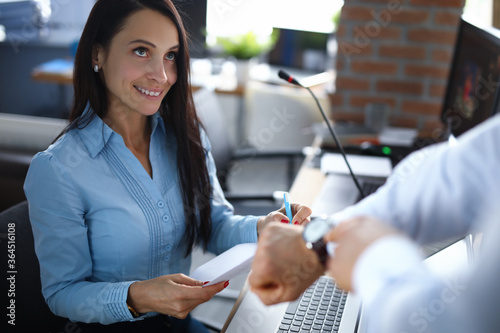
139 66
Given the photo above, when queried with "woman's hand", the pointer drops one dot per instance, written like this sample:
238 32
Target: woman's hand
175 295
301 216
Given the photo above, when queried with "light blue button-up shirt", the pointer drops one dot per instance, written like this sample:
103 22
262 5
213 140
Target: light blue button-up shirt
100 222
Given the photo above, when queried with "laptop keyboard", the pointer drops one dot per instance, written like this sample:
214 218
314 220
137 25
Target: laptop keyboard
369 187
319 309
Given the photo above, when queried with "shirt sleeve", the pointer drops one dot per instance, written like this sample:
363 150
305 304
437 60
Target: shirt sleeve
57 216
228 229
436 185
401 294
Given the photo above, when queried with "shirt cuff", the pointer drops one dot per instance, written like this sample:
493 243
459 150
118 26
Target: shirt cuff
117 304
382 262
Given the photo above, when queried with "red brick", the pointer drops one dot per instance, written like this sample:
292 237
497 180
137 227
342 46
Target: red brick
432 36
343 82
356 13
349 49
340 65
375 1
361 100
336 99
442 55
434 129
439 3
433 124
389 33
343 115
400 86
341 31
437 90
427 71
447 18
408 52
403 121
419 107
374 67
410 16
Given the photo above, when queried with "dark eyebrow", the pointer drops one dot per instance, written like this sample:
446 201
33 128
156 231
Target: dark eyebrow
142 41
151 44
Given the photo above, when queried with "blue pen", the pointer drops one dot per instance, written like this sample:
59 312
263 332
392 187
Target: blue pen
287 207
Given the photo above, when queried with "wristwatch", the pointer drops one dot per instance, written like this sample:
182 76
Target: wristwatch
313 235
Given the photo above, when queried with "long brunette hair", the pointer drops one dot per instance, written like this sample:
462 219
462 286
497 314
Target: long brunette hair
177 108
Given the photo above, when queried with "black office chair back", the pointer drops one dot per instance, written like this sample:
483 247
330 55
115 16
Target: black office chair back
21 275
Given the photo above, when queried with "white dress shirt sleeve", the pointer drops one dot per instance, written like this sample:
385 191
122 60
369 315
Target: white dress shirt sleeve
435 193
382 262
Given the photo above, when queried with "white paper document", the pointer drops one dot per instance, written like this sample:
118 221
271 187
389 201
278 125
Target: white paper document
361 165
231 263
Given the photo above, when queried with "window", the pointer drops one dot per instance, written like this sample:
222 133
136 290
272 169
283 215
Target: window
479 12
233 17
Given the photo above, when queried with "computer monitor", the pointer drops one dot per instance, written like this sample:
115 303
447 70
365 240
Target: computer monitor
194 15
300 49
473 86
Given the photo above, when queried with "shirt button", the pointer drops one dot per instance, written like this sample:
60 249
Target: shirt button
166 258
165 218
168 248
160 204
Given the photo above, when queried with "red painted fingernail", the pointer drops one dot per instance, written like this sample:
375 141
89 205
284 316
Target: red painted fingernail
284 221
296 222
204 283
226 284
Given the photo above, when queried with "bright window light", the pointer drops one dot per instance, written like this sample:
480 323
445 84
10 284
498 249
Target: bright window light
233 17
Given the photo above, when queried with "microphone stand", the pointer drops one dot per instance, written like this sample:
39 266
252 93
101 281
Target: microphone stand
292 80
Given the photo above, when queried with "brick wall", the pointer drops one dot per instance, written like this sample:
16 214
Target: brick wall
396 52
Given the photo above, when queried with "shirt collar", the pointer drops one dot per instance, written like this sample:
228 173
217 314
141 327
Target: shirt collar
96 134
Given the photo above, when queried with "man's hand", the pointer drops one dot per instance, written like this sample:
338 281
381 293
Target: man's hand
352 237
283 267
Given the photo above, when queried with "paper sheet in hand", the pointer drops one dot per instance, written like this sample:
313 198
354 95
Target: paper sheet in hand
235 261
371 166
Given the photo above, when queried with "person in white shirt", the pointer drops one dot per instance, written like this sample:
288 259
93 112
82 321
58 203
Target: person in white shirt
436 193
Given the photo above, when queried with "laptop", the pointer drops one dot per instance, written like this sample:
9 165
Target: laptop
323 307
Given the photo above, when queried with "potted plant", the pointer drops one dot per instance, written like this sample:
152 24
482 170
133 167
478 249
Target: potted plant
245 49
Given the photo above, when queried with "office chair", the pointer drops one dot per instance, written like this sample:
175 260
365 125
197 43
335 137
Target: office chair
31 311
231 161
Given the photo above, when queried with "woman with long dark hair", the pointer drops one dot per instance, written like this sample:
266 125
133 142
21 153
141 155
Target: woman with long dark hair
129 188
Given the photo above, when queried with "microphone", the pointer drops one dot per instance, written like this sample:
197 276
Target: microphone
290 79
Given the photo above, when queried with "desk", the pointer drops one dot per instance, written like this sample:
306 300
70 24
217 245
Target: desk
305 189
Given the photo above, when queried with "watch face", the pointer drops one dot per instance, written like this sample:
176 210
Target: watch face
315 230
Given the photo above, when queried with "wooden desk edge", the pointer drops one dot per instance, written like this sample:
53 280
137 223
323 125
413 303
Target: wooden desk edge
241 296
302 191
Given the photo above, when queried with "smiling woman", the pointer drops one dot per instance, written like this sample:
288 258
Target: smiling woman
129 187
138 68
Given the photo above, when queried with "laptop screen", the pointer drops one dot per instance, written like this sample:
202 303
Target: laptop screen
472 92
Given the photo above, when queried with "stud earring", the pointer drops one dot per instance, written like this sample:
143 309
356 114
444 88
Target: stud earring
96 68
